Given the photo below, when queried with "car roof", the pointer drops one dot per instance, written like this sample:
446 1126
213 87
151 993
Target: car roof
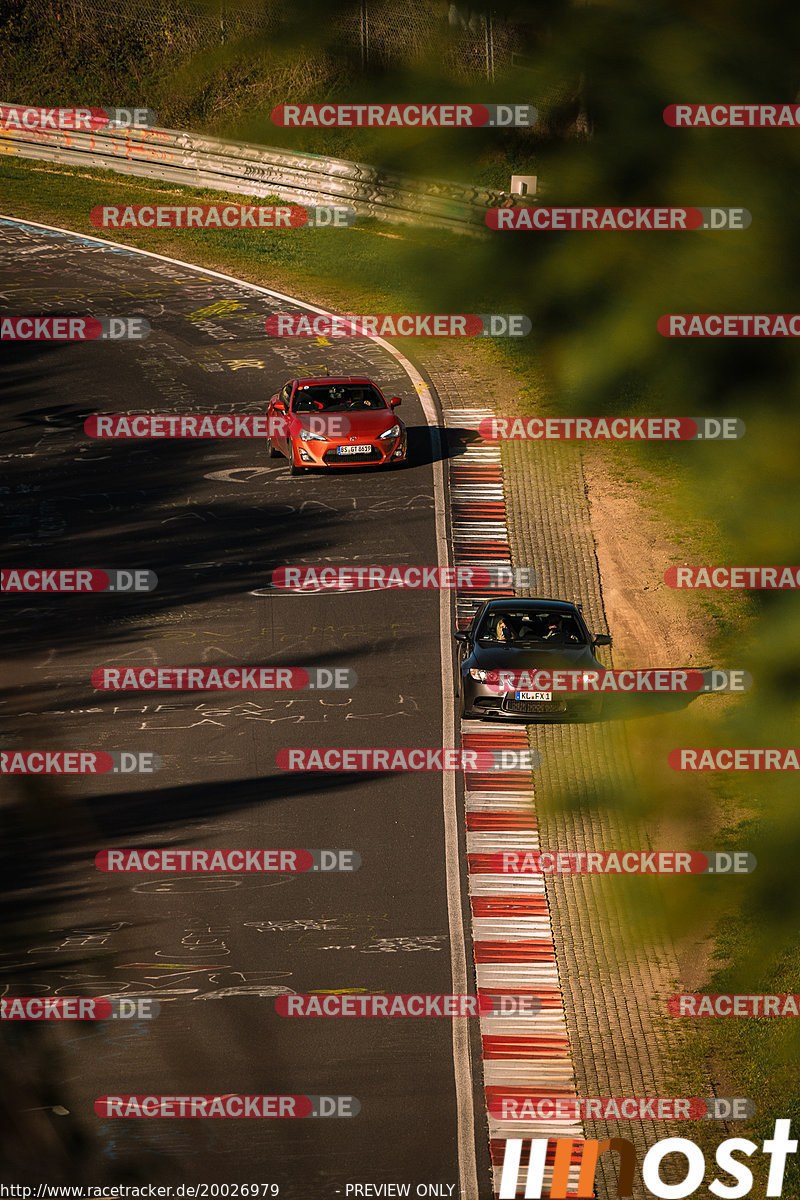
325 379
531 602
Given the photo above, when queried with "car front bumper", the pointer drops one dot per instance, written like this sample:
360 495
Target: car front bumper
483 701
326 454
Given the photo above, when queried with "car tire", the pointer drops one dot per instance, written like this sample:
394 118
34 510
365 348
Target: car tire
293 468
271 451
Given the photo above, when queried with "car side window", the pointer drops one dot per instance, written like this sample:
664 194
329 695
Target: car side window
571 630
286 392
476 620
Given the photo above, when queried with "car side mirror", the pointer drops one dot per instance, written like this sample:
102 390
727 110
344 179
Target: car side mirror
462 635
279 406
395 400
602 639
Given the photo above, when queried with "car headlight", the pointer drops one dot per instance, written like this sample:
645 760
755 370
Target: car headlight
478 674
307 436
393 432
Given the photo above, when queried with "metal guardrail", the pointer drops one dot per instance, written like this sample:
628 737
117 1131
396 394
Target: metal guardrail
259 171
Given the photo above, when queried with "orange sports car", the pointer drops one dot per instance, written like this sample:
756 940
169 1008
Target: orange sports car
329 422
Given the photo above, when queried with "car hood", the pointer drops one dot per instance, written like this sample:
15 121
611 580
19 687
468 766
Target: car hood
346 425
511 658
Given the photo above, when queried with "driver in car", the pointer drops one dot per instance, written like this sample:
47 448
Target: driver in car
363 399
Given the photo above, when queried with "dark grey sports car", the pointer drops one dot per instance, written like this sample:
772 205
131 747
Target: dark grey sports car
525 635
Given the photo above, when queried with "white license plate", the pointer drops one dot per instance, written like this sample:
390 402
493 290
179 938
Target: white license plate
355 449
533 695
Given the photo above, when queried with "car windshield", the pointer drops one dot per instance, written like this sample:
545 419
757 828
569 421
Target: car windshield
337 397
530 627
